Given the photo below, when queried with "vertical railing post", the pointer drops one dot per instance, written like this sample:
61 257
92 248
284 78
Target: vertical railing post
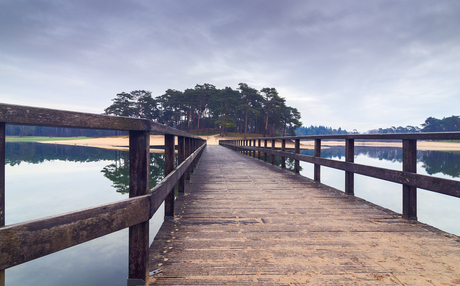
297 151
409 192
258 152
273 149
265 147
169 167
187 154
350 158
317 167
283 149
254 145
2 186
139 161
180 159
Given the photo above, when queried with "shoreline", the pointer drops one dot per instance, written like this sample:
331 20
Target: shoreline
122 143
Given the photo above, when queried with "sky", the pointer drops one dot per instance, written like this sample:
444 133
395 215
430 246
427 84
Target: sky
361 64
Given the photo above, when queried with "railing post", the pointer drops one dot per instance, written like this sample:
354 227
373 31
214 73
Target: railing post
254 145
409 192
258 152
283 149
273 149
2 187
317 167
297 151
265 147
169 167
180 159
187 154
350 158
139 161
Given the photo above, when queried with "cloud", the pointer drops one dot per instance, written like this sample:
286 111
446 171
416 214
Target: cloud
350 64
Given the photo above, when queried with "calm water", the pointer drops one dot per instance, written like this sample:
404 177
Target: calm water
45 179
438 210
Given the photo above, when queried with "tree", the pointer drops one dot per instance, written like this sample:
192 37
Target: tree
272 101
138 103
251 100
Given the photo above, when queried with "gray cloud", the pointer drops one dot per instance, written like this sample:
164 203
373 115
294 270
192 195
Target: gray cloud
353 64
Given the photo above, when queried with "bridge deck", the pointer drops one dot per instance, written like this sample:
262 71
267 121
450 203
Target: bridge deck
245 222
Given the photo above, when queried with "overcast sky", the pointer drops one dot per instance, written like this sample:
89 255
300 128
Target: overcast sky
350 64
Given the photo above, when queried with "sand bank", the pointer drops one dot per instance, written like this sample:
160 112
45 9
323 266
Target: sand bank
122 143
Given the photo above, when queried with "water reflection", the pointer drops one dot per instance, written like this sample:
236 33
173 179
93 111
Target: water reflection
64 178
118 172
434 162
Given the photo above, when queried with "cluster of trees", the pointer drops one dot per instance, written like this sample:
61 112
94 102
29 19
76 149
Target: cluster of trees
431 124
319 130
392 129
204 107
441 125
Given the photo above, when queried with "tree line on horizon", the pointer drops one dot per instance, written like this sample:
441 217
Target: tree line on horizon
205 107
431 124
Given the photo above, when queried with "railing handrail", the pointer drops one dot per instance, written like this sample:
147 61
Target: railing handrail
454 135
26 241
408 176
37 116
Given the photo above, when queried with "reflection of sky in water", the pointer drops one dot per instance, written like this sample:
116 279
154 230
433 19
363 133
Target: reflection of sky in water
35 191
438 210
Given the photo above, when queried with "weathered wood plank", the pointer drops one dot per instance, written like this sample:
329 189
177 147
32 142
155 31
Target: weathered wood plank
23 242
267 226
139 166
438 185
26 115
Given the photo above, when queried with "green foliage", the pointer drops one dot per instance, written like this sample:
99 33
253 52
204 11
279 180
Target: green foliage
206 107
441 125
319 130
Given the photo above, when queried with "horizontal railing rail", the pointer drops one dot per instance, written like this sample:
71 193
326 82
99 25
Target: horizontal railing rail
408 176
26 241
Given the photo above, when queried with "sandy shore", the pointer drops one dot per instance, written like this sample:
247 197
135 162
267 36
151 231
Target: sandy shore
122 143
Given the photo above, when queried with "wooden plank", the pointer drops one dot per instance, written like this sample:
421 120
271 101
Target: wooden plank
283 149
409 192
297 151
169 167
139 165
181 158
26 115
395 136
317 167
266 226
350 158
438 185
23 242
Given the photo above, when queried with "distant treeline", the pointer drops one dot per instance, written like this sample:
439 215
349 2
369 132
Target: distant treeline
24 130
431 124
243 110
319 130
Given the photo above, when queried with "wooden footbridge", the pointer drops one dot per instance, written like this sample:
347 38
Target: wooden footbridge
240 220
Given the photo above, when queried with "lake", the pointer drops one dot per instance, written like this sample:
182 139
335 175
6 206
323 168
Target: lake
46 179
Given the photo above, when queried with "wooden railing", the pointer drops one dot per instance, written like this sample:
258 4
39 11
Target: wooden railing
408 177
26 241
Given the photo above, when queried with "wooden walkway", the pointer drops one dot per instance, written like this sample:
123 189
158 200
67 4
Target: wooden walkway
245 222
